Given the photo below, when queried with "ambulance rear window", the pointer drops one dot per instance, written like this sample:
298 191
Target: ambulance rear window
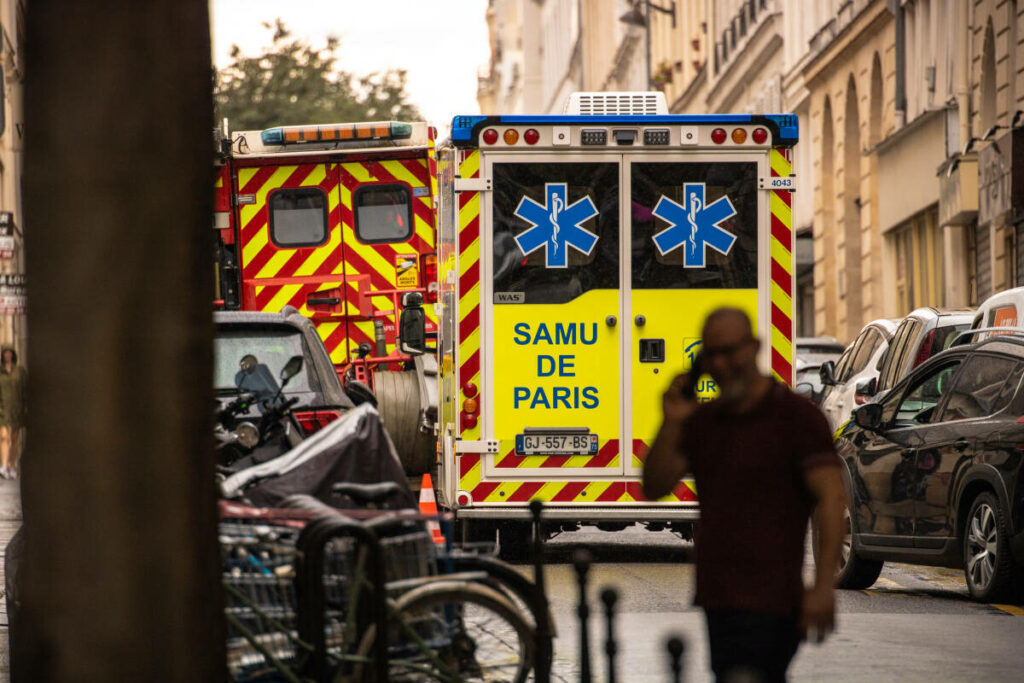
556 230
383 213
298 217
714 242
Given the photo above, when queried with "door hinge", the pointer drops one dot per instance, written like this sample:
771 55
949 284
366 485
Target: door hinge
473 185
489 446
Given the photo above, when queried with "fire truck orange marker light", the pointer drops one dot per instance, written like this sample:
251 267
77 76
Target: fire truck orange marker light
470 405
739 135
511 136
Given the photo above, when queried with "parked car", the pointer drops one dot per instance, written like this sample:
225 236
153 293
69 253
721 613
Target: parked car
808 381
860 361
922 334
933 471
1002 309
817 350
271 339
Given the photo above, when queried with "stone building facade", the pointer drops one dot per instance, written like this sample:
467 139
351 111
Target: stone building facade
12 286
911 156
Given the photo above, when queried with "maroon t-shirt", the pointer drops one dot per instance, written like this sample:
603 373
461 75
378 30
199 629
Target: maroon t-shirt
753 498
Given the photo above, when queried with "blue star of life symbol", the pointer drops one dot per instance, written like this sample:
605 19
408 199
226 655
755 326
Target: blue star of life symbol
695 225
556 225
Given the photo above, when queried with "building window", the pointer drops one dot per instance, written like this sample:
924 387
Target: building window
917 246
298 217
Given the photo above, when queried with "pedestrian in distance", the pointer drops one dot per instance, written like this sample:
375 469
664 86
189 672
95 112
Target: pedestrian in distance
13 384
763 461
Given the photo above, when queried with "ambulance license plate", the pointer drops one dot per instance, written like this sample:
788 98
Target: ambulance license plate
556 444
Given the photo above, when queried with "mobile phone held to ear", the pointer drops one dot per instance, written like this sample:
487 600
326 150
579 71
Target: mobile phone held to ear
689 388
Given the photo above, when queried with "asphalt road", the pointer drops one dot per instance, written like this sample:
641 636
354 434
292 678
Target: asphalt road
914 624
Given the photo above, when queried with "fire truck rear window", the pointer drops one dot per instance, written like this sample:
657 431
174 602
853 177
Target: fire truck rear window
298 217
383 213
564 202
722 205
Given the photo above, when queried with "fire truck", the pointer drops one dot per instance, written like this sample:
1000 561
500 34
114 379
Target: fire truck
338 221
578 257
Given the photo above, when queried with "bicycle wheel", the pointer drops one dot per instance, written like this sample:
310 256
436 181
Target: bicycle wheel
453 631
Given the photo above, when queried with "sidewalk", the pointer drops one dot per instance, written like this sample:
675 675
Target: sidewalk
10 520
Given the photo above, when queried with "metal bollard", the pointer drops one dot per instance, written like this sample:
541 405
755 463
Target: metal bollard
610 596
581 561
542 633
675 646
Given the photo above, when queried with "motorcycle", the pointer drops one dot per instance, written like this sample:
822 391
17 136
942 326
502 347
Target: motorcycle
242 439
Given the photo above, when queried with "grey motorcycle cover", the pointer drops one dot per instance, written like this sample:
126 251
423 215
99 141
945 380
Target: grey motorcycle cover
355 448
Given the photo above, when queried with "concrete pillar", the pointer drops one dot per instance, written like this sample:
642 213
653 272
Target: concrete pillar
121 573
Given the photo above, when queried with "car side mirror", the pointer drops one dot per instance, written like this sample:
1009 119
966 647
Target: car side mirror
869 416
412 325
866 388
827 373
290 369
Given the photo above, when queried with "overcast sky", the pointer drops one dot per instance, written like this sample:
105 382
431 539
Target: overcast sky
440 43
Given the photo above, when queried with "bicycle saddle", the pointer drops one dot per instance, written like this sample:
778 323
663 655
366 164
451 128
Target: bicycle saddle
367 494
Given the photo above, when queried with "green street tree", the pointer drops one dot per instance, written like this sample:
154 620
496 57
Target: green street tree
292 82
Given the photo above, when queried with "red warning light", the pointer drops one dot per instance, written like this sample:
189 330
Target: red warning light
531 136
718 136
490 136
760 136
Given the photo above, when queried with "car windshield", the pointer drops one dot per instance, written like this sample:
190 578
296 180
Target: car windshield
264 353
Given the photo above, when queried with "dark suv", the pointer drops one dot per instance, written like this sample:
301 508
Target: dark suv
934 474
273 338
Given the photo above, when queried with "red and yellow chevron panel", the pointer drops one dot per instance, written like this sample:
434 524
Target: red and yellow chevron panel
621 491
781 271
364 276
378 260
469 289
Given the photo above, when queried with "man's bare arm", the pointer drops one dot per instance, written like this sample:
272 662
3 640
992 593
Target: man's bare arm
826 485
665 465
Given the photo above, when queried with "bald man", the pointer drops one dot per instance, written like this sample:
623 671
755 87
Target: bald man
763 460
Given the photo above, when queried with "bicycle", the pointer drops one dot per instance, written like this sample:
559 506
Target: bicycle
449 617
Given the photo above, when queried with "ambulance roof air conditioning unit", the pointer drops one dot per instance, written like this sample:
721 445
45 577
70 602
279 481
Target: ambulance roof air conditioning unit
616 104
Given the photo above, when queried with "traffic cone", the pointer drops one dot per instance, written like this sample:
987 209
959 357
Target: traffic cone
428 508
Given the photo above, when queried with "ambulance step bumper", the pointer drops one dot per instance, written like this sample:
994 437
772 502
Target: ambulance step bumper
582 513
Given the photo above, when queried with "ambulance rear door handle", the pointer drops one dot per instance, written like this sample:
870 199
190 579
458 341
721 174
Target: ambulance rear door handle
327 301
652 350
611 321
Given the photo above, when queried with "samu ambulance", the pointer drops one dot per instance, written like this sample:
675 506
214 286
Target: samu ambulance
578 257
338 221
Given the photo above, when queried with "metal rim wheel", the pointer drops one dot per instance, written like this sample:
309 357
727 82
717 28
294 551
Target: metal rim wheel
987 565
480 636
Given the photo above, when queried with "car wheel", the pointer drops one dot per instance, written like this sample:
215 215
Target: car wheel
854 572
988 566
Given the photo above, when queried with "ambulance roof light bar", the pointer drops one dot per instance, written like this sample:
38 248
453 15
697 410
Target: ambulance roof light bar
784 128
336 132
